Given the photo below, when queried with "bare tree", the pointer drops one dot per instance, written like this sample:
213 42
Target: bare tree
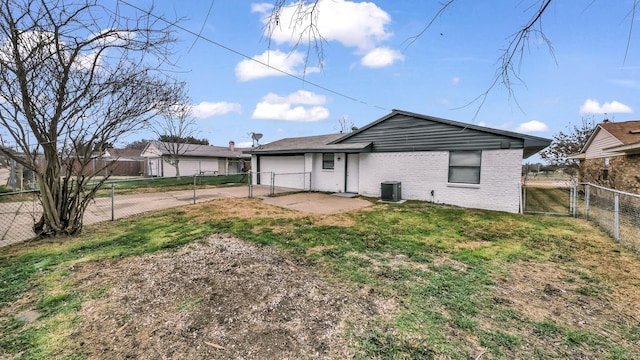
172 129
74 77
567 143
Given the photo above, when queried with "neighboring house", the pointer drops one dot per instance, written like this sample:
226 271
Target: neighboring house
111 162
433 159
124 162
194 160
611 156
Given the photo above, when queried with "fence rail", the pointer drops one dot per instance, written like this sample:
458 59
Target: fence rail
122 198
280 183
616 212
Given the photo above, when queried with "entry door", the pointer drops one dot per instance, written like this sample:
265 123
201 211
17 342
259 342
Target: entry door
352 174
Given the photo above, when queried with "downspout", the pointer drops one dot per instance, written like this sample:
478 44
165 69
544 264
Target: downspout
346 162
257 169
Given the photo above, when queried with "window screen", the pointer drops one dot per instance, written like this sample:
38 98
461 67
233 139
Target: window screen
464 167
327 161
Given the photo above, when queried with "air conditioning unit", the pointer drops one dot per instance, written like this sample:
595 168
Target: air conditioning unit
391 191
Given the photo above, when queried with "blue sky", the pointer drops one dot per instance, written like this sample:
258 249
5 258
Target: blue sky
370 66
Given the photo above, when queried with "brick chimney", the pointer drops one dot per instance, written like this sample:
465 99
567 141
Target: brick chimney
232 145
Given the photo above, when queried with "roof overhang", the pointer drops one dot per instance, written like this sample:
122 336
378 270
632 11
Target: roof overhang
331 148
626 149
532 145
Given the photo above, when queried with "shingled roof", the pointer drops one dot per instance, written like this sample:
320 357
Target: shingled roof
194 150
628 132
308 144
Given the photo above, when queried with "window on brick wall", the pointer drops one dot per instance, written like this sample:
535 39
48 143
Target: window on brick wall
605 168
464 167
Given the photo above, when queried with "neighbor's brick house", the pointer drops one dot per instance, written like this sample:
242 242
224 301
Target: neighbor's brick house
611 156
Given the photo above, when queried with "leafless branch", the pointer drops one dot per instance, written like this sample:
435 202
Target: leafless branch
304 23
440 12
74 77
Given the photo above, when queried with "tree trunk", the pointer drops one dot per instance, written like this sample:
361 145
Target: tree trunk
63 207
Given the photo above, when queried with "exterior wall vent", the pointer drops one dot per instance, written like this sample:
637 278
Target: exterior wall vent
391 191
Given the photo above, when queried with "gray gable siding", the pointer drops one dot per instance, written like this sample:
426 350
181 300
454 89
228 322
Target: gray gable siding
403 132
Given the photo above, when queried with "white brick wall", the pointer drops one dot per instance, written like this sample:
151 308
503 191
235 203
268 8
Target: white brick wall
422 172
419 173
328 180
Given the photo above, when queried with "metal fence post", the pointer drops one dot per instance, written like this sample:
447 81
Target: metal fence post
574 201
570 201
113 197
616 217
195 178
273 184
587 190
250 178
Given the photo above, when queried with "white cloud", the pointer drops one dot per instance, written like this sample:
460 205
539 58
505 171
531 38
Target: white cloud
244 144
358 25
381 57
532 126
354 24
292 63
626 83
591 106
291 107
207 109
263 8
455 80
443 101
298 97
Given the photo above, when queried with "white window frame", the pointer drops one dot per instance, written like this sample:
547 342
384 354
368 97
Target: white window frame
328 161
465 166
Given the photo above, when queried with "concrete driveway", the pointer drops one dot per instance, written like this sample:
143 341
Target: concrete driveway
317 203
16 219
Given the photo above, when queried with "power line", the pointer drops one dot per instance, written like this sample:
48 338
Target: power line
199 36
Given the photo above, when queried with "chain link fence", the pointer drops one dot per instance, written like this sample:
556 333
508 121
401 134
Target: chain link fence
118 199
549 195
616 212
18 212
280 183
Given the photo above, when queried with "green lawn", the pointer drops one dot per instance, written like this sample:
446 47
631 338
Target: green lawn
451 282
547 200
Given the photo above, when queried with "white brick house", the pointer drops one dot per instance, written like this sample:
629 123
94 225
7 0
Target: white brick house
193 159
434 159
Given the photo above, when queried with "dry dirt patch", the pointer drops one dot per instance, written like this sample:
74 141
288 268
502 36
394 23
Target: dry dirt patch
221 298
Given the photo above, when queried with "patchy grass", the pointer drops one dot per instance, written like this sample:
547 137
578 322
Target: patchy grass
547 200
455 283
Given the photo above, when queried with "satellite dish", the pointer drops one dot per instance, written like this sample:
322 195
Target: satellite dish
256 138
